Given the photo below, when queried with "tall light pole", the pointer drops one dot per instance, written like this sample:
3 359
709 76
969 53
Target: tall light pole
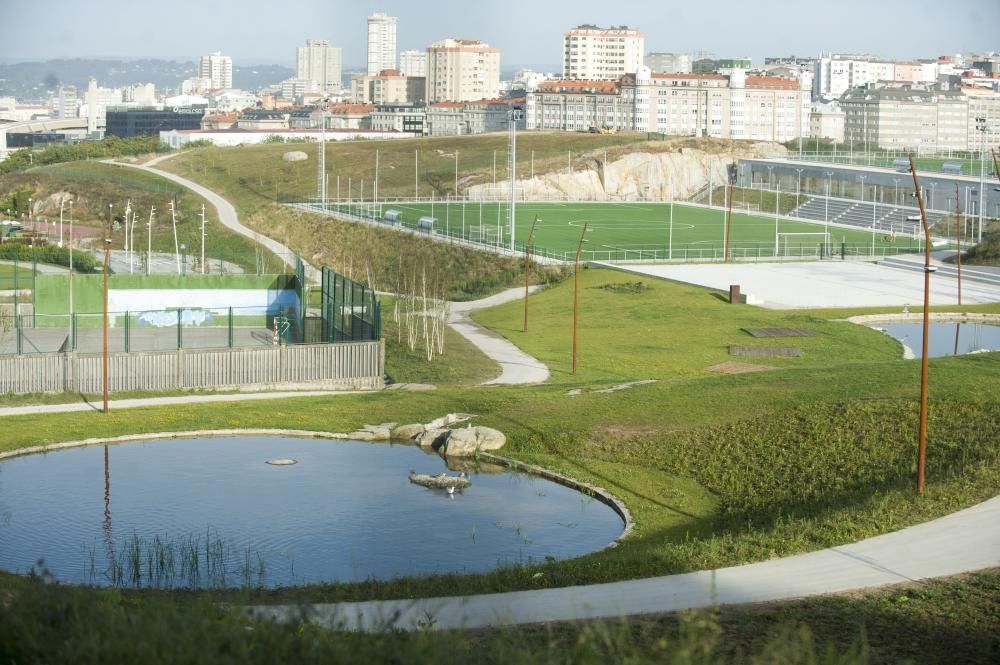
527 269
71 258
798 185
928 269
107 255
981 128
826 215
576 291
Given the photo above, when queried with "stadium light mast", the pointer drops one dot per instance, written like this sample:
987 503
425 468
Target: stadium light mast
981 128
527 270
576 291
513 173
928 269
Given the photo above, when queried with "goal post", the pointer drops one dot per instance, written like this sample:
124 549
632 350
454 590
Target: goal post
787 242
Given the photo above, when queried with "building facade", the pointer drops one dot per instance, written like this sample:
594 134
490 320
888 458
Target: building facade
462 70
217 68
399 118
388 87
318 61
594 53
413 63
826 121
381 43
764 108
836 74
923 118
127 122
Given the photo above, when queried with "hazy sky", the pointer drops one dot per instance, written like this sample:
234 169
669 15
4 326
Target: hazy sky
526 31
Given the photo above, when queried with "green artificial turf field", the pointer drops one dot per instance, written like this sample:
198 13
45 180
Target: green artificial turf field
632 230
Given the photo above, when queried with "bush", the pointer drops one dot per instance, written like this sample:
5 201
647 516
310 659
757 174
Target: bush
82 261
113 146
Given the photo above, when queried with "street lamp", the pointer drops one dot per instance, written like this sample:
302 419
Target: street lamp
928 269
798 185
826 215
981 128
107 254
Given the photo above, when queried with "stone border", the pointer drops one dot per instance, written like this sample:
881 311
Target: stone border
599 493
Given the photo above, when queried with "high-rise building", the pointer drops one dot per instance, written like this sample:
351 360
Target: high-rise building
413 63
65 104
602 54
462 70
381 43
836 74
218 68
318 61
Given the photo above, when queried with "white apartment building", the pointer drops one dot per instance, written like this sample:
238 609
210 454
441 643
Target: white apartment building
593 53
318 61
381 43
140 94
836 74
764 108
460 70
65 104
413 63
217 68
669 63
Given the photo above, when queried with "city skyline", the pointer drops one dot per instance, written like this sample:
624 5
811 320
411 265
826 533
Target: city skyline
526 33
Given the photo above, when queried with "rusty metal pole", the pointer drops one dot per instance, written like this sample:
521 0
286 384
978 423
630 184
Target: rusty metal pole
107 254
527 270
576 292
922 436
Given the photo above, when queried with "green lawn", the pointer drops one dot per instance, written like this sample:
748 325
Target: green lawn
11 277
628 230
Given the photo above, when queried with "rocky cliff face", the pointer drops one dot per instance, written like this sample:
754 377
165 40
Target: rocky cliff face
655 176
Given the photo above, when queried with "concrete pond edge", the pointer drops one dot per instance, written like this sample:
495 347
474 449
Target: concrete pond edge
599 493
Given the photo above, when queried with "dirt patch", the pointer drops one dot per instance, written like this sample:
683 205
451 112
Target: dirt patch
625 287
738 368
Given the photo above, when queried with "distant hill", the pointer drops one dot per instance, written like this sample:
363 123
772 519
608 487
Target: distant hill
37 80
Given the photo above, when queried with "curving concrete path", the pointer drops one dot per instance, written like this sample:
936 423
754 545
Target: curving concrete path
965 541
518 367
227 213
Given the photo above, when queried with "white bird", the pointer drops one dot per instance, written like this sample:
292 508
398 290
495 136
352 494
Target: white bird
451 489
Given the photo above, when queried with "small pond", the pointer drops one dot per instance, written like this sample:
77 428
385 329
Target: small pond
971 337
212 512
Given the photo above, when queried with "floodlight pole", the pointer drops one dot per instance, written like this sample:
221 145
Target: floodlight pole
576 292
958 256
527 269
107 254
922 435
729 219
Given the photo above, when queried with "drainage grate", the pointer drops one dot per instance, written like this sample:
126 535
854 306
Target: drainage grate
780 332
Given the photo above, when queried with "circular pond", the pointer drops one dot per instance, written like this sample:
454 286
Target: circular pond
212 512
944 339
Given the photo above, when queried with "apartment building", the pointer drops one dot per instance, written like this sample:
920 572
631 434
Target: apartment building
413 63
388 87
826 121
217 68
767 108
318 61
914 117
461 70
594 53
381 43
836 74
399 118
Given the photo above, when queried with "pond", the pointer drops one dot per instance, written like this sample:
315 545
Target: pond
970 337
212 513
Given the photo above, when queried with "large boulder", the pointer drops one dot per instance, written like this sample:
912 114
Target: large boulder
433 438
461 443
449 419
488 438
407 432
295 156
381 432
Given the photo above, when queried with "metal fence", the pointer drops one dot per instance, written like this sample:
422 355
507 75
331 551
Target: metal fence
358 366
349 312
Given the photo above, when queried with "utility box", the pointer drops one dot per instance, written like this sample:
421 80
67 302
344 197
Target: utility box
734 294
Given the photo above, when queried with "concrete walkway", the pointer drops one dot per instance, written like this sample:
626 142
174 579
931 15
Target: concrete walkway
116 404
227 213
965 541
518 367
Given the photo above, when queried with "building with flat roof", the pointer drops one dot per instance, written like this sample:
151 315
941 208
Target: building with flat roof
388 87
461 70
381 43
318 61
594 53
150 121
669 63
836 74
217 68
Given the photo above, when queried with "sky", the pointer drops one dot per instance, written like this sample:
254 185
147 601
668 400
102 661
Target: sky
526 31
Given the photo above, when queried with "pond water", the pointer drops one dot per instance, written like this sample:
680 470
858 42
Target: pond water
971 337
212 512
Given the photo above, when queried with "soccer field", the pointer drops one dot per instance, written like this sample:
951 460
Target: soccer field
618 231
